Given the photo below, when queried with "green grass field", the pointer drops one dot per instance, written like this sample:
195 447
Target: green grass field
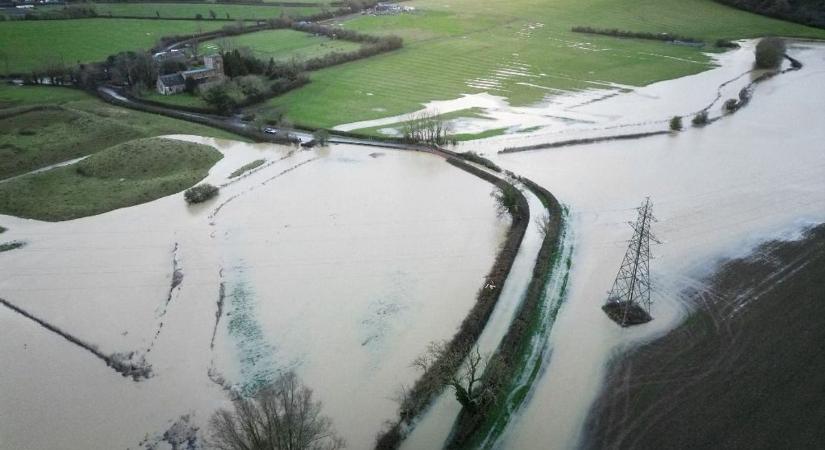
520 49
181 99
30 44
123 175
83 125
186 10
281 44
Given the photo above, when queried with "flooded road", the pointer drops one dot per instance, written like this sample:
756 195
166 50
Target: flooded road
718 191
341 263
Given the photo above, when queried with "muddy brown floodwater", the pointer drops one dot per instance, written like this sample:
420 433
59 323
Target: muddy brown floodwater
341 263
746 370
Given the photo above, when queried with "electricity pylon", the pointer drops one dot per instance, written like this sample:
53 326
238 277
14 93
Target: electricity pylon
628 302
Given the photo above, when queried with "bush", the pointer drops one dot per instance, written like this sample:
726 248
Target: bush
321 137
724 43
731 105
507 200
700 119
769 52
200 193
676 123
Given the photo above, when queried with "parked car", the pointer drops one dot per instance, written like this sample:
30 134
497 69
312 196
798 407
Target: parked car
270 130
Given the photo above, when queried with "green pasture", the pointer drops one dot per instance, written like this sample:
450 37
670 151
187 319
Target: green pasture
78 125
126 174
280 45
27 45
190 10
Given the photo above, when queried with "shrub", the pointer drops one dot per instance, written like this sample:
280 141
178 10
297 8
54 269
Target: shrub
731 105
724 43
676 123
700 119
769 52
507 200
200 193
321 137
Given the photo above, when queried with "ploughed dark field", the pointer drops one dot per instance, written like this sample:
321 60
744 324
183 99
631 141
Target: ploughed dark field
746 370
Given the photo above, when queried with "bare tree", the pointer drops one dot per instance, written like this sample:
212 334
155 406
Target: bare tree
469 383
426 127
281 416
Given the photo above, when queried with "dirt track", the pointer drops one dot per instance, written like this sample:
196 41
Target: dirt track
746 370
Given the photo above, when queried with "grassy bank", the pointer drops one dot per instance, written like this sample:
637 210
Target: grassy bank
26 45
77 124
520 49
745 370
123 175
281 45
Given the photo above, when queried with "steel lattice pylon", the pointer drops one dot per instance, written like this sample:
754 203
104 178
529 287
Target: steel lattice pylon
628 302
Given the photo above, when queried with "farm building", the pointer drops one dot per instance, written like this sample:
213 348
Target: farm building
211 72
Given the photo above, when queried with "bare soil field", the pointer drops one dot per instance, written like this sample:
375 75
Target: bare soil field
746 370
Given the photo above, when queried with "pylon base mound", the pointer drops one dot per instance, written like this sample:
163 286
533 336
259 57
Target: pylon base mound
626 313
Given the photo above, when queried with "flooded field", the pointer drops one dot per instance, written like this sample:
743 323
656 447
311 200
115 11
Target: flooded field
718 191
341 263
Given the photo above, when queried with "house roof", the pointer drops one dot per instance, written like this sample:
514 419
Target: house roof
174 79
197 70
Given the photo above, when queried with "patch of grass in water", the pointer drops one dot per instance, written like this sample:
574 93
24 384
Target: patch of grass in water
256 365
481 135
11 246
124 175
247 167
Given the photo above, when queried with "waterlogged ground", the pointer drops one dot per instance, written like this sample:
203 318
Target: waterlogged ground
600 108
341 263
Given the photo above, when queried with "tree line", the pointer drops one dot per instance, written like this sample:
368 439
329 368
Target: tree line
615 32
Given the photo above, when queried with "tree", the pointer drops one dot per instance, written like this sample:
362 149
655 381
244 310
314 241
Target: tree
224 97
769 52
468 382
507 199
281 416
676 123
212 14
427 128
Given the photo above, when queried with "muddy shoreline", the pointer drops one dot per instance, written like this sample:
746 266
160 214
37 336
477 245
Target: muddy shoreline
745 370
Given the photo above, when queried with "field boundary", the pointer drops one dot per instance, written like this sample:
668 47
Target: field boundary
426 388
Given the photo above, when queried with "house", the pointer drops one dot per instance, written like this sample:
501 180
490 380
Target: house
211 72
171 84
